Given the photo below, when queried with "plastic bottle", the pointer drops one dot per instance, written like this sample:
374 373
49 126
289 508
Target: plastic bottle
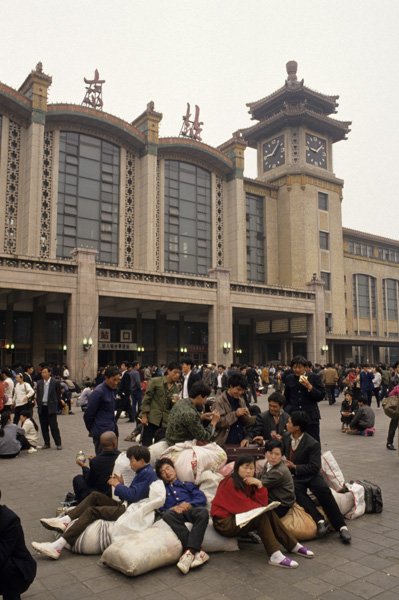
81 456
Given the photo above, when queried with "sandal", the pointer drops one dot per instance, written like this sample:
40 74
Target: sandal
286 563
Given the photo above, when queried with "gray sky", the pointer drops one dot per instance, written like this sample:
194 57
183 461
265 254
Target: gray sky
221 54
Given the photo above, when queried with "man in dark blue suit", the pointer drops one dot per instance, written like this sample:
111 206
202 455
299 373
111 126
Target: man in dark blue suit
48 400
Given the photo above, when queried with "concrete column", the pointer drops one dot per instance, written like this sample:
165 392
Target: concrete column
220 319
83 306
284 353
38 332
161 338
180 336
316 329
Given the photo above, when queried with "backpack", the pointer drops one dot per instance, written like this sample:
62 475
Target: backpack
391 407
372 496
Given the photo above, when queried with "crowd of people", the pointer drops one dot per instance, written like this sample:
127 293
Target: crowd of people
179 403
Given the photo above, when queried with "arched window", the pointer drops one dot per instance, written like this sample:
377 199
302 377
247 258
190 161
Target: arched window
364 296
255 239
390 294
88 196
188 218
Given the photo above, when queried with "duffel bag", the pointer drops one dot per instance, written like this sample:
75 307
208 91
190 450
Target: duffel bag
391 407
372 496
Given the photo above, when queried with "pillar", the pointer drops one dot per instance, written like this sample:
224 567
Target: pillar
38 332
83 307
220 319
161 338
316 328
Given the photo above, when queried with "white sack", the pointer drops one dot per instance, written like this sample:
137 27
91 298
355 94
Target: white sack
332 474
191 460
359 504
344 500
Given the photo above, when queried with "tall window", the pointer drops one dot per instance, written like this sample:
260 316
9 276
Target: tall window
255 239
324 241
364 296
390 292
326 277
88 196
323 201
188 220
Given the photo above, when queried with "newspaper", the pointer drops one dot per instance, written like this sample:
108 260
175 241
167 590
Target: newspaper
243 518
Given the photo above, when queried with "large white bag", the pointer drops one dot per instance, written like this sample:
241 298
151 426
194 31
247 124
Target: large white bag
94 539
344 500
156 451
122 467
359 504
331 471
209 484
139 515
191 460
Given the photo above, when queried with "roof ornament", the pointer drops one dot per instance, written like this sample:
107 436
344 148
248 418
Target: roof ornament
191 129
94 92
39 67
292 82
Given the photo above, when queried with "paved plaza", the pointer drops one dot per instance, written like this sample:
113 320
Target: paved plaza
32 486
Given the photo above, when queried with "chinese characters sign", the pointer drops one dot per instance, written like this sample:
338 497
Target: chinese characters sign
191 129
94 91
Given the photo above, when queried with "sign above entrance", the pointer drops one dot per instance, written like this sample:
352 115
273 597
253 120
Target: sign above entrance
104 335
116 346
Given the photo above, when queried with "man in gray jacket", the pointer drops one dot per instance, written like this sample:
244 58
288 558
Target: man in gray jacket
363 419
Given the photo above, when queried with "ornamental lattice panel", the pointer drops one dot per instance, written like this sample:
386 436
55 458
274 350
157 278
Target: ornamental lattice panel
219 222
129 209
12 186
45 215
158 219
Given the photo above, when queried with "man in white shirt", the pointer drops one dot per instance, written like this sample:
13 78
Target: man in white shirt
189 378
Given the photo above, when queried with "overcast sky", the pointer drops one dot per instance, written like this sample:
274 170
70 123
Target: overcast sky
221 54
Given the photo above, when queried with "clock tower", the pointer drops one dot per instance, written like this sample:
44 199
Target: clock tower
294 136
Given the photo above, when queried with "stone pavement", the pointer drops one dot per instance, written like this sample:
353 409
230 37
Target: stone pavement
32 486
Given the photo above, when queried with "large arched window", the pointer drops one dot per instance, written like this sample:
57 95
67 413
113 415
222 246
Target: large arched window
188 220
390 295
255 239
88 196
364 296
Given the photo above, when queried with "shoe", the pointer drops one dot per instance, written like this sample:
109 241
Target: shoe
47 549
45 447
303 551
390 447
71 413
322 528
287 563
54 524
185 562
59 447
345 536
32 450
129 438
199 559
352 432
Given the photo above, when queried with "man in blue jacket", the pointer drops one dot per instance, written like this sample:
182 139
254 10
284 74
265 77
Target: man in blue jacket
98 506
99 415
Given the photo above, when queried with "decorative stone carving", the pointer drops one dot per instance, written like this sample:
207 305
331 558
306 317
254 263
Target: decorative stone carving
129 209
219 223
12 187
158 219
45 215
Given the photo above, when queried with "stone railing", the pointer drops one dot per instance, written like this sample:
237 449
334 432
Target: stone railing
267 290
32 264
166 279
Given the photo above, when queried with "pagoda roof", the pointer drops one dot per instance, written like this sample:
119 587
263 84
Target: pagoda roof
295 116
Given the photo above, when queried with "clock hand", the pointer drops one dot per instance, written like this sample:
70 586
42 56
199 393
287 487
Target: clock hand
275 150
319 148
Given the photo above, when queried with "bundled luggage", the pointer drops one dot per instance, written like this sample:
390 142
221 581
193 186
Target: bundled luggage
372 496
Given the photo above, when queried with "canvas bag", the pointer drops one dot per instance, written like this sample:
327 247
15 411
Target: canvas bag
299 523
359 506
331 472
191 460
391 406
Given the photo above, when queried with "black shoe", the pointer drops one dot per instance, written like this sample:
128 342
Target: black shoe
390 447
45 447
71 413
345 536
322 528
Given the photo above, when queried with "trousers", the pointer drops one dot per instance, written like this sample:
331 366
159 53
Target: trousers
320 489
268 525
95 506
393 425
47 421
198 516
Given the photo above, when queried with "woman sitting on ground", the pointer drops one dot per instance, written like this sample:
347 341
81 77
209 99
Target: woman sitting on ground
10 445
277 478
31 432
241 492
349 408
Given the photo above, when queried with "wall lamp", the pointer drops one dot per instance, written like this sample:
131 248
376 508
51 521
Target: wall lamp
183 350
64 347
324 348
238 351
226 347
9 347
140 349
87 343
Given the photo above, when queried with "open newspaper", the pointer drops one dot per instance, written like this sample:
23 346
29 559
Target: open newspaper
243 518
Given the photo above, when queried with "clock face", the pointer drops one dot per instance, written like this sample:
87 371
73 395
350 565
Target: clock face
316 151
273 153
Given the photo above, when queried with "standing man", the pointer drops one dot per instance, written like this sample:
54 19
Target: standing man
330 380
135 389
253 379
158 402
366 383
99 414
48 399
123 402
303 391
189 378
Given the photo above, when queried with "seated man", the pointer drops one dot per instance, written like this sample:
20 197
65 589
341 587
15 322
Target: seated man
185 503
95 478
234 414
270 424
303 458
98 506
185 422
363 419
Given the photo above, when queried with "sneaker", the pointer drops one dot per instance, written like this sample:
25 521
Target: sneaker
54 524
286 563
32 450
47 549
185 562
199 559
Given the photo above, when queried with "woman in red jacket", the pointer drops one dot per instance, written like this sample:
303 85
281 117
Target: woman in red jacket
241 492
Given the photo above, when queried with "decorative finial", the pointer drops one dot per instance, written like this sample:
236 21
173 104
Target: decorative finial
151 106
292 67
39 67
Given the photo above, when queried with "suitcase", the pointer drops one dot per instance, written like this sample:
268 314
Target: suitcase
372 496
233 452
